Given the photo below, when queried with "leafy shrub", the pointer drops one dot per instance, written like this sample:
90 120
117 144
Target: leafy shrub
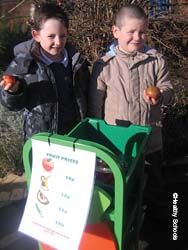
8 39
10 142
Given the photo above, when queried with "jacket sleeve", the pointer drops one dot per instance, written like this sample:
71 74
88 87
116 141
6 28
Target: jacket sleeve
81 88
97 92
163 82
13 101
24 47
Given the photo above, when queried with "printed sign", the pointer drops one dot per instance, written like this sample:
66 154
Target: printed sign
59 195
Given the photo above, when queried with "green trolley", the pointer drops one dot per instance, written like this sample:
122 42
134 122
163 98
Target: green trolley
122 149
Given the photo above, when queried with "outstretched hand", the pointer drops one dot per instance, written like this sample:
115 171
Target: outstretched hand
9 83
151 100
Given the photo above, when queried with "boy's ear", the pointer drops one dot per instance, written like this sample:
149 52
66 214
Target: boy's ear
115 31
35 35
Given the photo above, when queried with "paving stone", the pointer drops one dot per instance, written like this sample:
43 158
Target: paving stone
12 188
17 194
25 192
4 196
12 178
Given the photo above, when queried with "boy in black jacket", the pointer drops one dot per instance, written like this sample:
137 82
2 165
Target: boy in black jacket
51 76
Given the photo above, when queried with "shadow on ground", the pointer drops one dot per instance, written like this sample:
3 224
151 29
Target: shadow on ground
157 231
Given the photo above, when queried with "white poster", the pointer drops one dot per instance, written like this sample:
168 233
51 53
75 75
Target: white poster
59 195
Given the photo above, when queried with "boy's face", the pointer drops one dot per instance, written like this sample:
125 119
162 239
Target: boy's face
131 35
52 37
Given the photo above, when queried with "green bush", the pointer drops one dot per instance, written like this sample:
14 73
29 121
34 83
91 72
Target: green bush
8 39
10 142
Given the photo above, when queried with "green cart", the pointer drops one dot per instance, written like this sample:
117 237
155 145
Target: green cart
122 149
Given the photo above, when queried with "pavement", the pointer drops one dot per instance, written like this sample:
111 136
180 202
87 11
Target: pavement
12 188
156 232
13 195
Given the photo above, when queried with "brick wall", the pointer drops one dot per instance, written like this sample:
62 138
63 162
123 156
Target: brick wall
13 14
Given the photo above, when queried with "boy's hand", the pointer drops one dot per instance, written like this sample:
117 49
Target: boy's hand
10 83
151 100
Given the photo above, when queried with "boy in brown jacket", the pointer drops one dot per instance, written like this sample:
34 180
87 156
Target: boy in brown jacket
119 82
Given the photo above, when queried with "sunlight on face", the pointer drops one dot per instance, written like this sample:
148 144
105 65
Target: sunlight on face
52 37
131 35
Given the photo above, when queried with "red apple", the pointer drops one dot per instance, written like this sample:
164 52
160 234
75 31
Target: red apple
9 80
47 164
153 92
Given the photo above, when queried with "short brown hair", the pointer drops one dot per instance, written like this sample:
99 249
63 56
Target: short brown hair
131 11
43 12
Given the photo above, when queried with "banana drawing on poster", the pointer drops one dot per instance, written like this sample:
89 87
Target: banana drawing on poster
58 201
42 194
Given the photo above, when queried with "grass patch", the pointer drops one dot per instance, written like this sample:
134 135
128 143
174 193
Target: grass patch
10 142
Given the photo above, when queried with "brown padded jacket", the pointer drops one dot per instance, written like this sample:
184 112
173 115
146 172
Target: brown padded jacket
116 90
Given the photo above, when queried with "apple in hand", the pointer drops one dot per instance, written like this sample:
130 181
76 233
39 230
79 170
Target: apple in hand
9 80
47 164
153 92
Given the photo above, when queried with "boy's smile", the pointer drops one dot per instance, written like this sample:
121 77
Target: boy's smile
131 35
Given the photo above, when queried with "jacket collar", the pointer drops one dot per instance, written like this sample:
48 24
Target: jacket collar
48 61
113 51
